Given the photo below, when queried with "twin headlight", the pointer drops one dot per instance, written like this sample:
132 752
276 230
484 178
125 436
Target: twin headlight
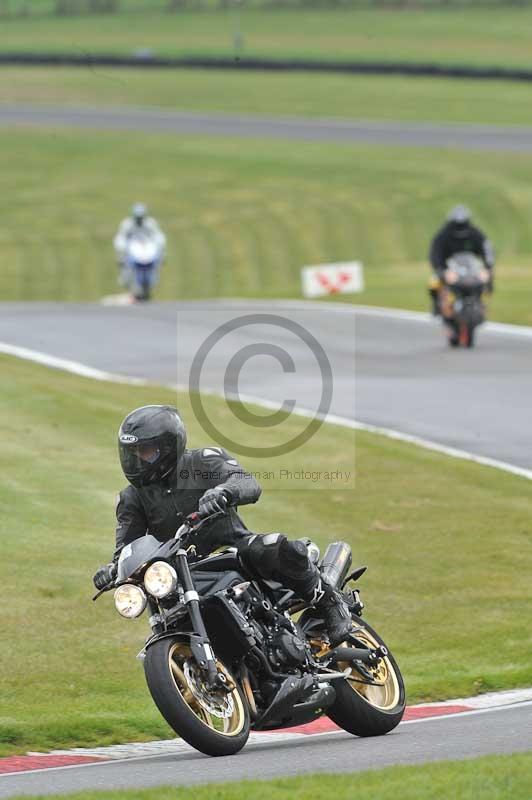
160 580
130 600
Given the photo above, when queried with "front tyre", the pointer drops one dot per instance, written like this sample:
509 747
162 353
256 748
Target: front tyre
371 702
214 722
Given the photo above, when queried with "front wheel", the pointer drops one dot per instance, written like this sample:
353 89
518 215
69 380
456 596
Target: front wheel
467 333
143 294
214 721
372 701
452 331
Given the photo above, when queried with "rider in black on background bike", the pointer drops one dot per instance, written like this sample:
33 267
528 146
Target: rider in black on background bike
457 235
167 482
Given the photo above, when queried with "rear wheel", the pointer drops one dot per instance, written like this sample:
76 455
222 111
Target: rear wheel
371 702
214 721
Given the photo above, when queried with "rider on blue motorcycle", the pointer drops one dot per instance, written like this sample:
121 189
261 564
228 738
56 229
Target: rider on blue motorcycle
137 225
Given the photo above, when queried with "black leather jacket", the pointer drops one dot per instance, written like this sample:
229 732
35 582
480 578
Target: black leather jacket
159 508
447 242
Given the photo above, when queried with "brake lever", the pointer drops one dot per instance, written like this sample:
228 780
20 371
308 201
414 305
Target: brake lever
194 522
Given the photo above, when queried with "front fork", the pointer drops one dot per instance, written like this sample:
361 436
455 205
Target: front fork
199 641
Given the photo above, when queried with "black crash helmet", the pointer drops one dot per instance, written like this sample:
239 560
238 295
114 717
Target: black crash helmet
151 440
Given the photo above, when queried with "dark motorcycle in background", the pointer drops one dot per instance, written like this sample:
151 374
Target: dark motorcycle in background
465 284
230 652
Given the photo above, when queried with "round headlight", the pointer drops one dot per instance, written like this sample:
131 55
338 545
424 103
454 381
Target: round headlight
130 600
160 579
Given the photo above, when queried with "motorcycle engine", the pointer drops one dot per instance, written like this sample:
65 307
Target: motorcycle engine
287 649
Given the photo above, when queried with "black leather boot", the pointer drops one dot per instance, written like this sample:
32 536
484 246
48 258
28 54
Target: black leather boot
329 603
335 612
435 302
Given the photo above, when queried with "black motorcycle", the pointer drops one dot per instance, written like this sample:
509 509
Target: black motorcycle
462 298
230 652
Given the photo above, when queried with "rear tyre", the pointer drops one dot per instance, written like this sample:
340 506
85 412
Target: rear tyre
212 721
367 708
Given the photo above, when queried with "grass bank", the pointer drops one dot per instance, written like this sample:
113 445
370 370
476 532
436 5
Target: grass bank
447 542
313 95
243 216
490 778
498 36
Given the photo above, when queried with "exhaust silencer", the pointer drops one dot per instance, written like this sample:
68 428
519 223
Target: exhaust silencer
336 563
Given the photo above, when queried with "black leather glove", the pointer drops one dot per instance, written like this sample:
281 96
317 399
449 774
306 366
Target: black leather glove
105 575
214 501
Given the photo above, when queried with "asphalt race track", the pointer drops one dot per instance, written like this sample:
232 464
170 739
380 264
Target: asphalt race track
506 730
472 137
389 370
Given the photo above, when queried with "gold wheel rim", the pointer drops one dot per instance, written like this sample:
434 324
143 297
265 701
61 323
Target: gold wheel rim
384 693
220 712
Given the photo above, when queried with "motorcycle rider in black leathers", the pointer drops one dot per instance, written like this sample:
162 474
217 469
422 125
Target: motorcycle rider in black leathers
458 235
167 482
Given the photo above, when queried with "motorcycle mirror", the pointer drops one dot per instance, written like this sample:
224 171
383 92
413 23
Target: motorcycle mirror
355 575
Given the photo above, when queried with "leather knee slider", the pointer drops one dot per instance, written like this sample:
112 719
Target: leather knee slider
261 553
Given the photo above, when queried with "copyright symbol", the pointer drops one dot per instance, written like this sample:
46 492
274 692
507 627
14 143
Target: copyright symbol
184 474
281 325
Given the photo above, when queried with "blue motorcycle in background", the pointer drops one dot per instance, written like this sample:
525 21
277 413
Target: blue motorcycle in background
141 266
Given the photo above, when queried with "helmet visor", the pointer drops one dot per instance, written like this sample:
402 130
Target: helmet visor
138 459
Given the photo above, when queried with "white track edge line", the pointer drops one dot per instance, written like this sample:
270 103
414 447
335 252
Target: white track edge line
77 368
390 433
66 365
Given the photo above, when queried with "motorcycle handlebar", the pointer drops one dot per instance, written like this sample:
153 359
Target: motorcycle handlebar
195 521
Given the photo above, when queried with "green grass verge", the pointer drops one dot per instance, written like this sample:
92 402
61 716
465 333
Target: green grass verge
498 36
243 216
447 542
490 778
314 95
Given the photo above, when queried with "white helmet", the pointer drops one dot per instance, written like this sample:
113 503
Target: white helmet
459 215
139 213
